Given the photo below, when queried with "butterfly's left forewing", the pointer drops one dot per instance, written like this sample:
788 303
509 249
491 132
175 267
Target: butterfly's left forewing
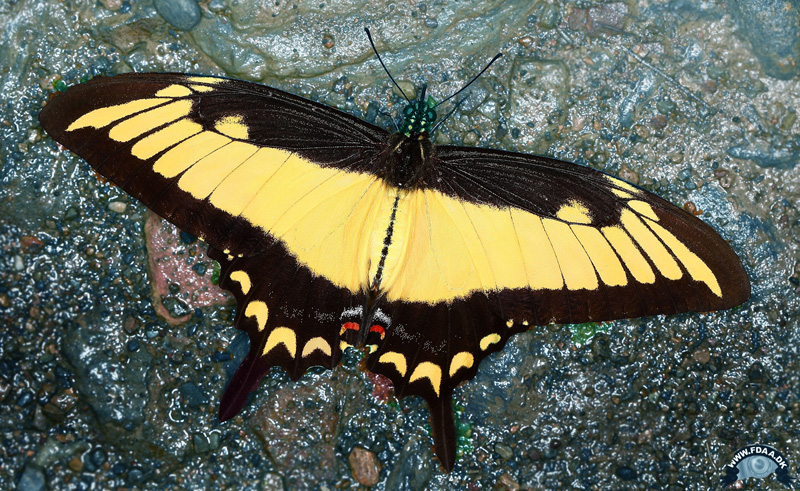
211 154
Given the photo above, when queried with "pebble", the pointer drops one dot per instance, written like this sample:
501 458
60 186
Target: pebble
112 4
364 466
135 475
32 479
408 88
40 419
98 456
659 122
18 264
272 481
625 473
204 444
76 464
665 106
504 451
118 206
471 138
549 16
507 482
192 395
187 238
220 356
780 157
180 14
701 356
25 398
630 105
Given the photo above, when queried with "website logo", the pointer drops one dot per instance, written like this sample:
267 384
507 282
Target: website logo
758 461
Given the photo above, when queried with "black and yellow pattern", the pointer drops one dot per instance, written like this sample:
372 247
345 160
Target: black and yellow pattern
333 233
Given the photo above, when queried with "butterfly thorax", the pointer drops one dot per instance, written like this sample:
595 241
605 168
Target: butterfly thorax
419 116
406 160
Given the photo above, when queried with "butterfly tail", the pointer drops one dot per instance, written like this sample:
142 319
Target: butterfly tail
444 430
243 382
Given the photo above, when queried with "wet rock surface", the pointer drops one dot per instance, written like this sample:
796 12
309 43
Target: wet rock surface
100 391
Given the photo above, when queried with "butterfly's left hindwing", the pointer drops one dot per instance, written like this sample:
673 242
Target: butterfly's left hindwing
292 317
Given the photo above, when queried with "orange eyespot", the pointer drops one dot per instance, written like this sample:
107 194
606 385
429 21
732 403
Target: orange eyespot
349 326
378 329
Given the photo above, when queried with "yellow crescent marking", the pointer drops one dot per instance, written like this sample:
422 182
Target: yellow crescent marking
373 348
188 152
643 208
232 126
461 360
574 212
343 345
396 359
316 344
202 178
134 126
575 264
621 184
661 257
510 322
243 279
627 250
104 116
284 336
174 90
260 311
601 255
489 340
429 371
524 323
164 138
697 269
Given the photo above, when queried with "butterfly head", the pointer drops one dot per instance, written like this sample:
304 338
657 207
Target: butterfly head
419 115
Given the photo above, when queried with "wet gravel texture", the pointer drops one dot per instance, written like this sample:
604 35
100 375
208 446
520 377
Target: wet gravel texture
109 382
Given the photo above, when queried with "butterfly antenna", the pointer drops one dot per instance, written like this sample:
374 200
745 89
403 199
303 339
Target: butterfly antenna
498 55
372 43
446 116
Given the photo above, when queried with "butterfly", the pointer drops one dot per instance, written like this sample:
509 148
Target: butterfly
333 233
